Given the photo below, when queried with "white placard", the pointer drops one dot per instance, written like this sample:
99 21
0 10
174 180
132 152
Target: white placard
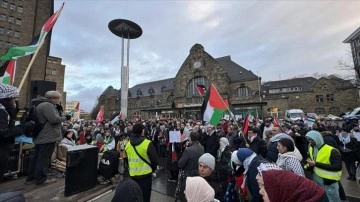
174 136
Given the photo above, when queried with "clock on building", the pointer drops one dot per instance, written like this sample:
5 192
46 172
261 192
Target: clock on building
197 64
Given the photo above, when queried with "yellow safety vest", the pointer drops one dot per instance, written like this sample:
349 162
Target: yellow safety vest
138 167
323 156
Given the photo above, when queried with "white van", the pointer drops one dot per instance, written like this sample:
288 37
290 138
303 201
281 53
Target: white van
294 114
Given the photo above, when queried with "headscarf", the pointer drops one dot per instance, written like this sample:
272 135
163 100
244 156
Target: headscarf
223 143
286 186
198 190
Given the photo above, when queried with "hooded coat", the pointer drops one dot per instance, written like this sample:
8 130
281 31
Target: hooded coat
291 161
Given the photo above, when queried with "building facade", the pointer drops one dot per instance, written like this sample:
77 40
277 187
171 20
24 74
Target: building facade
327 95
55 72
354 41
178 97
20 22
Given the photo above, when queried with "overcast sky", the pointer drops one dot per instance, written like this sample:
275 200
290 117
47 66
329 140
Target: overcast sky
274 39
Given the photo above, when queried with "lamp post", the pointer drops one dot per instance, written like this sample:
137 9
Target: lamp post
129 30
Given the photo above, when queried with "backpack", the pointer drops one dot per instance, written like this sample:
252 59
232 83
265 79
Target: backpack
31 116
109 164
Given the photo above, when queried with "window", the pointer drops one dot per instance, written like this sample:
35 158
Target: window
20 9
139 93
18 21
334 111
323 86
2 30
243 92
3 17
191 88
11 20
17 34
9 32
53 71
12 7
319 98
330 97
48 71
151 91
320 111
4 4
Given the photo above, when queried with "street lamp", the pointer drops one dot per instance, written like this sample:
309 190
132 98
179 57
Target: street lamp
129 30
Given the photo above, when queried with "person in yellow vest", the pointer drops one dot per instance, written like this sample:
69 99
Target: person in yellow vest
327 165
142 159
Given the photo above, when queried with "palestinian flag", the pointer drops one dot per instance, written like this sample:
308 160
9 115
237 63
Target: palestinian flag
7 72
201 89
213 106
15 52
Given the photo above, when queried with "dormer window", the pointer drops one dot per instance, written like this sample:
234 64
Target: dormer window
139 93
151 91
129 94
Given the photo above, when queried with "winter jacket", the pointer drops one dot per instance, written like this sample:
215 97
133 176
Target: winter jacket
349 151
291 161
47 113
251 182
212 144
190 157
258 146
8 130
272 152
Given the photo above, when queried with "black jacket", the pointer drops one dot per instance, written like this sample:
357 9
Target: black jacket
8 130
258 146
212 144
251 178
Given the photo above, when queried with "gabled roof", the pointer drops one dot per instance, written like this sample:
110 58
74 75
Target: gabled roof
352 36
157 86
340 83
235 71
305 83
110 91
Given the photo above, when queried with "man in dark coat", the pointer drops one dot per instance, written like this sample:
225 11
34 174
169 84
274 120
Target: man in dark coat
256 144
190 157
8 131
211 141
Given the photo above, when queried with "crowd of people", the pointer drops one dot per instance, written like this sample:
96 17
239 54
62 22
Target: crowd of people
290 161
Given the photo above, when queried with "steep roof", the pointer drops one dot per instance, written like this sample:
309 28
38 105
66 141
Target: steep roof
110 91
235 71
306 83
352 36
157 86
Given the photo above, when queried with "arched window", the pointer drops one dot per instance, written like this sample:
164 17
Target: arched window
334 111
191 88
320 111
242 92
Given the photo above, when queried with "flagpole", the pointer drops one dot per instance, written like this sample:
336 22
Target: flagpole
30 64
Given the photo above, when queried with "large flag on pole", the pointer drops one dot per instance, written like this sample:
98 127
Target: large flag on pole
213 106
7 72
276 121
100 116
15 52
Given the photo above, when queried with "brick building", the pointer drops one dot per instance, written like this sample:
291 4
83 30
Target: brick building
178 97
20 22
327 95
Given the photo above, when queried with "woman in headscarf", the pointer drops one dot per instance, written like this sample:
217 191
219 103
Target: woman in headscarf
289 158
348 148
198 190
276 185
